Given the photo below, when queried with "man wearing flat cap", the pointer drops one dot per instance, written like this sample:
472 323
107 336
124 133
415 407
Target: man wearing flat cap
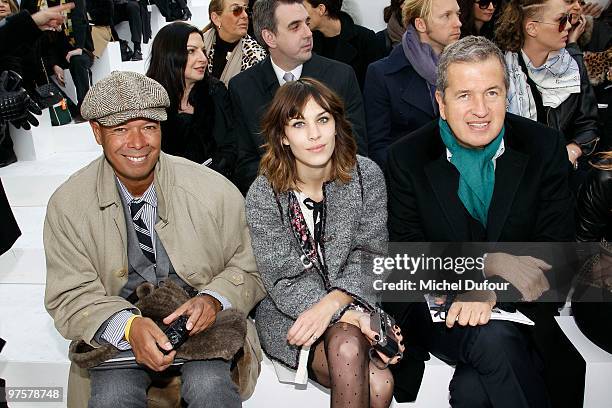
132 225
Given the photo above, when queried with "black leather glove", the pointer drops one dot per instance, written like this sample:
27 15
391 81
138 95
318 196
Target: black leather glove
16 106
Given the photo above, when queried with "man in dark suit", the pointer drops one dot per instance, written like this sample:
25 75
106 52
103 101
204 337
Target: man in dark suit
479 174
282 26
399 89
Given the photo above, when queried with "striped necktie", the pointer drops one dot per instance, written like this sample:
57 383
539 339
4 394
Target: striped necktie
142 232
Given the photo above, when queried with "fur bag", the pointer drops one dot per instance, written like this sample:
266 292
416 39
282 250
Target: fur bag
222 340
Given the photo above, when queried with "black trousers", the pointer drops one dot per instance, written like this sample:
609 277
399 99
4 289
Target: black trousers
130 12
496 366
80 66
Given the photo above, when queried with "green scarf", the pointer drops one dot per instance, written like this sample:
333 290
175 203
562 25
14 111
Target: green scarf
476 172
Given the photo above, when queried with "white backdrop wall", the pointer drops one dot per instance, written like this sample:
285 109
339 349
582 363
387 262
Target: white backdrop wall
368 13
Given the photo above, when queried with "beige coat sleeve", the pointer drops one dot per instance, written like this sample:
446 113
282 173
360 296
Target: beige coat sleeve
240 281
74 296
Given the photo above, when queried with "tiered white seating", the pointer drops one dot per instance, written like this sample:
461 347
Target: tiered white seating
36 355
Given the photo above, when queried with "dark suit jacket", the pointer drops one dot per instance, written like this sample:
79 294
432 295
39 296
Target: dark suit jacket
531 202
356 46
397 102
252 90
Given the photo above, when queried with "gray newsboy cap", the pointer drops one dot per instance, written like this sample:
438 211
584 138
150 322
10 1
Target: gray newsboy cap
123 96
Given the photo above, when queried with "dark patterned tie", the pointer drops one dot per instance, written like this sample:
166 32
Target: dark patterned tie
142 233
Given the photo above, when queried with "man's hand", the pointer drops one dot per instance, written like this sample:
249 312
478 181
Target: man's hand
59 73
525 273
473 308
145 336
53 17
202 311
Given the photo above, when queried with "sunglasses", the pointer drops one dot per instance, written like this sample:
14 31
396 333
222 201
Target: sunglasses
237 9
484 4
562 22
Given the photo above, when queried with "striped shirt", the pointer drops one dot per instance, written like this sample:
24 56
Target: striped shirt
115 329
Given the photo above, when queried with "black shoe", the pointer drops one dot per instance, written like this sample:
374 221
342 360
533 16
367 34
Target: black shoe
137 56
12 158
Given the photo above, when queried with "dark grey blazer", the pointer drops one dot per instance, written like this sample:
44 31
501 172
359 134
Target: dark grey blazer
354 227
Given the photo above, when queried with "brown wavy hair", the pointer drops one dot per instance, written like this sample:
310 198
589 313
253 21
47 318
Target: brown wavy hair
278 162
510 30
602 160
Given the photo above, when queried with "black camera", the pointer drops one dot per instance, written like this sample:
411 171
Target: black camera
177 333
382 323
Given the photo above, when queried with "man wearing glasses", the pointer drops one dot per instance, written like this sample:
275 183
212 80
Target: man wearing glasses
282 26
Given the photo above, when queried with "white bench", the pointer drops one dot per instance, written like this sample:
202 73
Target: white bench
597 382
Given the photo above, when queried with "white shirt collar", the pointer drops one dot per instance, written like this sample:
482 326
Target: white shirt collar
297 72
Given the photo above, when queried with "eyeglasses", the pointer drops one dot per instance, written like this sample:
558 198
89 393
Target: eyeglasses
484 4
561 24
237 9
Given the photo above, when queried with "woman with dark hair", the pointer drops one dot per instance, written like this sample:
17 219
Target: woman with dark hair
229 49
317 216
199 121
548 79
336 36
392 35
478 17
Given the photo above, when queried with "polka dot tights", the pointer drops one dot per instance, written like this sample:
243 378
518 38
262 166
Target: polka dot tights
341 363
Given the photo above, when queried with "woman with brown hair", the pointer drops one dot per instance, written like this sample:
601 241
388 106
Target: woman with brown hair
478 17
317 216
548 80
229 49
392 35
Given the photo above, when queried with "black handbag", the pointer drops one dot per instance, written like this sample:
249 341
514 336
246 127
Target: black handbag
47 94
50 96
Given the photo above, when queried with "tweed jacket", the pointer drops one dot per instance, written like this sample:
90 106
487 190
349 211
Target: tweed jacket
201 225
355 229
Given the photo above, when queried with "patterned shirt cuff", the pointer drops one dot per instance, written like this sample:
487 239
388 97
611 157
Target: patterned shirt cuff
115 330
225 304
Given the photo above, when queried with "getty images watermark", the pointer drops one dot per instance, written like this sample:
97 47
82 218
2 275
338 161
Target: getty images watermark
470 269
